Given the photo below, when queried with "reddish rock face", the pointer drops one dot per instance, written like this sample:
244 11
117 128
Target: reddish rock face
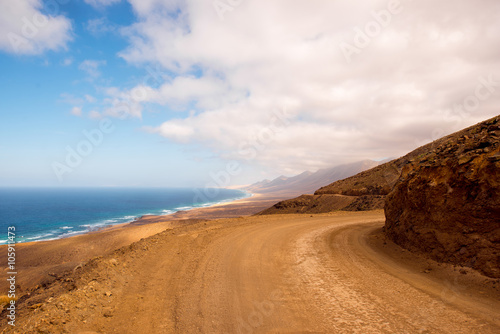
446 202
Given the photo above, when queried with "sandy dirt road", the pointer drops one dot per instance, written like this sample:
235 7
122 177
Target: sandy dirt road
273 274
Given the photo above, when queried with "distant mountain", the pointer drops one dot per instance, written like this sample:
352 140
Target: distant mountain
308 182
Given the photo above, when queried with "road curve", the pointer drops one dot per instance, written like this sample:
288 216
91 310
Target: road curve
275 274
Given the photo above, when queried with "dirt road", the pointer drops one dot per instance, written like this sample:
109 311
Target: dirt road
273 274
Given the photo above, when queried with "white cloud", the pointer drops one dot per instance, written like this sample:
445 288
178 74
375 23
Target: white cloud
91 67
70 99
394 94
67 62
90 98
148 7
95 114
99 26
208 92
101 3
77 111
24 29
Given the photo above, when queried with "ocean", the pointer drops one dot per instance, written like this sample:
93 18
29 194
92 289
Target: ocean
52 213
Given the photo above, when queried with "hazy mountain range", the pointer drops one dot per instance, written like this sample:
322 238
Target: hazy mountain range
308 182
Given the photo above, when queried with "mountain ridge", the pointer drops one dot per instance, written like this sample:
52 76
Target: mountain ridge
307 182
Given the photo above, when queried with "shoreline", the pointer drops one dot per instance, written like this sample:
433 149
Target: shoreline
42 262
101 228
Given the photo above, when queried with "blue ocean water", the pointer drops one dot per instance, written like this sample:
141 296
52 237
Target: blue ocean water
52 213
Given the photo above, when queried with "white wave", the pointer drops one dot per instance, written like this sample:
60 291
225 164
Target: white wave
107 222
91 227
48 239
66 227
183 208
65 235
37 237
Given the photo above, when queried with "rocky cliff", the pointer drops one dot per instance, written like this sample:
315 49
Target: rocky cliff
446 202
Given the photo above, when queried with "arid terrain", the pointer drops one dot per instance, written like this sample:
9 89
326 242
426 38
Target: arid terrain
328 273
332 262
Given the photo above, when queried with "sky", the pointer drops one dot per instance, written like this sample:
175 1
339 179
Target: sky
192 93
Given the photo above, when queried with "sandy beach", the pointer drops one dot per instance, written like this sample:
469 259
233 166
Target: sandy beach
237 208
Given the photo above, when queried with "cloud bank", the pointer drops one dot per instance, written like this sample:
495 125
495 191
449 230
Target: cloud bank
356 80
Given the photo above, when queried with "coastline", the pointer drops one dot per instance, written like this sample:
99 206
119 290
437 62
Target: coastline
41 262
233 209
168 217
104 224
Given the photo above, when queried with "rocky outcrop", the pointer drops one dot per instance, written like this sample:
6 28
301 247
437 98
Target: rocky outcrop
376 181
446 203
326 203
310 204
366 203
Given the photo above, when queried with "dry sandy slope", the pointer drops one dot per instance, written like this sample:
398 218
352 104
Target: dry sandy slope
265 274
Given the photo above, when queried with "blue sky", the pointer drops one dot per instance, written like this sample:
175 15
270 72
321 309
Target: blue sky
39 92
192 87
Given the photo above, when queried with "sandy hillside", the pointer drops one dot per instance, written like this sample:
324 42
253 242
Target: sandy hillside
329 273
